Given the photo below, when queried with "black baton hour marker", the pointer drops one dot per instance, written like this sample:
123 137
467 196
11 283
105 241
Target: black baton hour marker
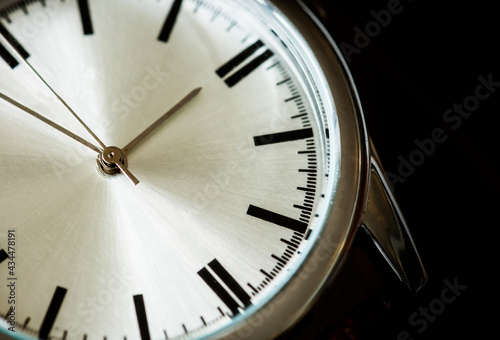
83 6
7 57
220 291
5 54
52 311
281 137
278 219
142 319
3 255
235 62
170 21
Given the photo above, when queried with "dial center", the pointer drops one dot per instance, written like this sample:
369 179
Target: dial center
109 161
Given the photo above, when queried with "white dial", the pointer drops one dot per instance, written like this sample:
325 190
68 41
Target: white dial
228 189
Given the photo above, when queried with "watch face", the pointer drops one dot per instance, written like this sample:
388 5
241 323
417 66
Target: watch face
166 166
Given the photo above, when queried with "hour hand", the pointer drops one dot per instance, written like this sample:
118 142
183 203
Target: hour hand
160 120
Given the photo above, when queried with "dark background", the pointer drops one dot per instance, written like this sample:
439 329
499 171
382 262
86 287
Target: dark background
428 58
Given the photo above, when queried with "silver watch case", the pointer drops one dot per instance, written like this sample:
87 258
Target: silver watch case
363 200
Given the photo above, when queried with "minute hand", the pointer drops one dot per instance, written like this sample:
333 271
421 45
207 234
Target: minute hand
160 120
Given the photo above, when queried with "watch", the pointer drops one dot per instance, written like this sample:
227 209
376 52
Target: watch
176 169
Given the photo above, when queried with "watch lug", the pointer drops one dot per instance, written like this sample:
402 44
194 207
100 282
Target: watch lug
387 228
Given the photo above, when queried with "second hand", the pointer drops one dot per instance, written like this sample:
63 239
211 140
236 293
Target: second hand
59 98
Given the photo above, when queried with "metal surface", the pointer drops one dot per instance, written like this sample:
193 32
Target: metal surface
385 224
